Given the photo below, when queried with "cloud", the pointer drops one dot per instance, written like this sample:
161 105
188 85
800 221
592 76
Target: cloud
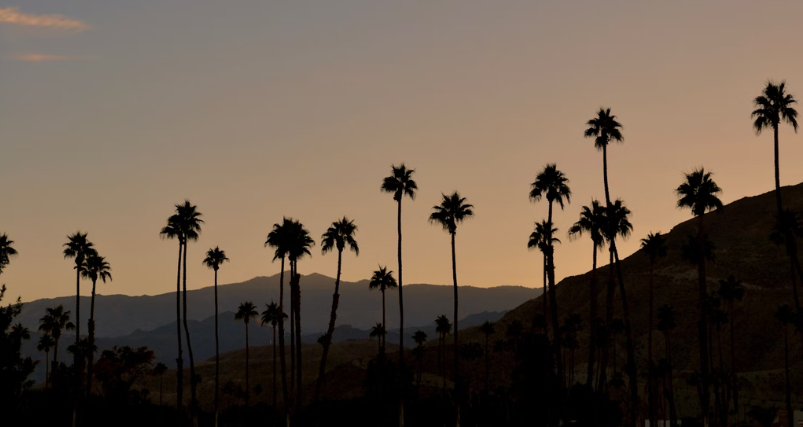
12 15
39 57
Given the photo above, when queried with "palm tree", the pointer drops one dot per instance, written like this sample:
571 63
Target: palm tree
95 267
699 193
604 129
731 291
487 328
538 240
159 370
46 342
6 251
452 211
442 327
591 222
173 231
339 235
774 106
667 323
654 246
53 322
299 245
419 337
271 316
214 258
279 240
382 279
787 316
246 312
378 332
79 248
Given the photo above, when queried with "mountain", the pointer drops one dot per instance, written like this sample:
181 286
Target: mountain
120 315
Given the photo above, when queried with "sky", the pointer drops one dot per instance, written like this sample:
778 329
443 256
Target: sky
111 112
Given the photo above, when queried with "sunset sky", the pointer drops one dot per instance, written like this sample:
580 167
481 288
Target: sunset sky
111 112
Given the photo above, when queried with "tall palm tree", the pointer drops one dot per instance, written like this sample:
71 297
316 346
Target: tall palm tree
732 291
667 323
787 316
246 312
379 332
159 370
214 259
95 267
46 342
300 244
382 279
538 240
487 328
279 240
591 222
79 248
452 211
700 194
773 107
442 327
553 185
6 251
339 235
173 231
272 316
654 246
52 323
604 129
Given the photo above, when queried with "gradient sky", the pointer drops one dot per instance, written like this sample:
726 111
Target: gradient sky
113 111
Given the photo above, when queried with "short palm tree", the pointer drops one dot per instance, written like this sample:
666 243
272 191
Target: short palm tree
338 236
54 321
773 107
46 343
666 324
787 316
591 222
452 211
159 370
442 327
487 328
173 231
272 316
279 240
400 183
214 259
539 239
419 337
654 246
6 251
246 312
95 268
700 194
382 279
379 332
79 248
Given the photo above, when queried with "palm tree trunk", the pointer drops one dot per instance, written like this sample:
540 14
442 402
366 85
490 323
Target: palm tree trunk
384 325
456 335
91 341
778 200
47 369
77 316
274 367
193 395
605 175
401 315
603 383
299 365
545 296
486 362
217 356
179 359
673 417
247 362
702 326
790 415
553 299
650 366
327 341
282 350
292 331
632 371
592 321
734 378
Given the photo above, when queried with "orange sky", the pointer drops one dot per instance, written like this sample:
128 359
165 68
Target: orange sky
112 112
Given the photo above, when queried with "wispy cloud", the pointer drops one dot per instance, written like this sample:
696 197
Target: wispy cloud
39 57
12 15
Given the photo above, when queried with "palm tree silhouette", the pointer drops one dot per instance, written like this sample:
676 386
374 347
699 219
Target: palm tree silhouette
95 267
378 332
552 184
79 248
214 258
667 323
46 342
452 211
773 107
604 129
6 251
272 316
279 240
732 291
487 328
699 193
419 337
52 323
246 312
786 316
190 226
538 240
591 222
159 370
339 235
382 279
299 245
654 246
173 231
442 327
